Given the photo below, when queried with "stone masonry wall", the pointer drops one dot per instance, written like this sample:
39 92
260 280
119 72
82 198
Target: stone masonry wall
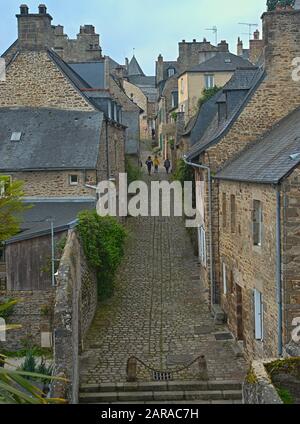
291 251
34 313
27 84
75 307
276 96
56 183
248 266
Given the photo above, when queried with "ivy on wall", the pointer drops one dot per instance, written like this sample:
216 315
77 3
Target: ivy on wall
103 240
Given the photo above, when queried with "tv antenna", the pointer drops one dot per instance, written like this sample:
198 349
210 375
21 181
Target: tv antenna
214 29
250 26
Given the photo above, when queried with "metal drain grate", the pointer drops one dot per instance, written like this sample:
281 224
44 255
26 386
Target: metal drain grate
162 376
223 336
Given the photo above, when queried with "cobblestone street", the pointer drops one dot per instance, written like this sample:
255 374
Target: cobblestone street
158 312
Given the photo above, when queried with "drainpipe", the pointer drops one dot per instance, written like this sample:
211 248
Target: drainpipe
107 150
278 271
212 280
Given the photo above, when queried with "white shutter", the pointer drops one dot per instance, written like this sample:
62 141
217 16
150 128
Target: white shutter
258 315
225 278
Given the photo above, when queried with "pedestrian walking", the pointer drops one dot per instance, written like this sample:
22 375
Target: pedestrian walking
156 164
167 165
149 164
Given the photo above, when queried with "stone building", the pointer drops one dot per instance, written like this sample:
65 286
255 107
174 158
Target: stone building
270 96
216 71
255 51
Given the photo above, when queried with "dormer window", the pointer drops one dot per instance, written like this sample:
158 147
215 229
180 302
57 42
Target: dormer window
171 72
228 60
73 180
16 136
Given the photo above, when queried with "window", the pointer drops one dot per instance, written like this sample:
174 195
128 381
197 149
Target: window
73 180
258 315
182 86
174 99
209 81
257 223
224 278
109 110
233 213
202 246
171 72
224 210
16 136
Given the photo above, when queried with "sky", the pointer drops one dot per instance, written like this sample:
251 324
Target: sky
150 27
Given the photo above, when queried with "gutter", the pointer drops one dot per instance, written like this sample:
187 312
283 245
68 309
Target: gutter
212 279
278 271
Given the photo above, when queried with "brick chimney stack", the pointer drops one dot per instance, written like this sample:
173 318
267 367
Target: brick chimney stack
240 47
34 30
223 46
281 38
256 48
159 69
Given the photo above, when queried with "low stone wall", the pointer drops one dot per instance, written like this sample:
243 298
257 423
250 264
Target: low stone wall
258 388
75 307
34 313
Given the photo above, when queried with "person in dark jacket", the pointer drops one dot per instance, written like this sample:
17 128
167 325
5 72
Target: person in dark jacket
167 165
149 164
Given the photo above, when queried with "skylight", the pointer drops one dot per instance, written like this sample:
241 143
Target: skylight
16 136
295 156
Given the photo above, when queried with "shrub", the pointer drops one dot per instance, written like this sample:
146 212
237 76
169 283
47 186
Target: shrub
134 172
207 94
103 245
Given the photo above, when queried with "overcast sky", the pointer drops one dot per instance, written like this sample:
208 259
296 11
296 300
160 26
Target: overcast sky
149 26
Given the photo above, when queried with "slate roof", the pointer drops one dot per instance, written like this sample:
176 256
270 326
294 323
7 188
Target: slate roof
268 160
216 131
142 80
35 221
92 72
222 62
51 139
134 68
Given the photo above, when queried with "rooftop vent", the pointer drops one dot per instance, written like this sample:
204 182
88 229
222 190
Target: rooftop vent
16 136
228 60
295 156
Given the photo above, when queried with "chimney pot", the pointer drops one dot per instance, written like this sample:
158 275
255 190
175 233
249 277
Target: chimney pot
42 9
194 40
24 10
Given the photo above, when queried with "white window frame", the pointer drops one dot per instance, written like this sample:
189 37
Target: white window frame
202 246
171 72
209 81
258 315
70 180
224 274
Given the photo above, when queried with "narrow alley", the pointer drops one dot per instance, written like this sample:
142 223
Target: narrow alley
158 312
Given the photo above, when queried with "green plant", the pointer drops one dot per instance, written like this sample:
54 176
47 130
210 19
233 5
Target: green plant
272 4
174 116
103 241
11 206
6 308
184 172
207 94
285 396
134 172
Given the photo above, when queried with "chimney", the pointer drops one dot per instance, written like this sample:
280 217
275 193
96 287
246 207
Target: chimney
223 46
42 9
240 47
159 69
281 41
256 35
256 48
34 30
24 10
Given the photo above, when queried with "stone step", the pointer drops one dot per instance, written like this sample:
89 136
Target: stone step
168 396
161 386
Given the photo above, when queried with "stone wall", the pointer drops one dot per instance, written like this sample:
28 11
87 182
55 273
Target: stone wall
258 388
28 84
75 307
291 251
56 183
249 267
34 313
